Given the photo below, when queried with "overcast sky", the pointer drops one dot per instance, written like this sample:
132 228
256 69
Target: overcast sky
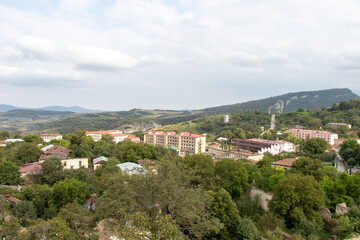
184 54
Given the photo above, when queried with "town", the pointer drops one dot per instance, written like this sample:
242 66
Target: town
44 176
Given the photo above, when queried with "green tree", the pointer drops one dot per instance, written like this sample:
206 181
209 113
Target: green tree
239 133
39 195
232 176
55 228
33 139
78 218
4 134
308 166
9 173
314 146
9 228
350 152
297 197
107 138
203 167
21 153
52 171
69 190
24 211
247 230
223 208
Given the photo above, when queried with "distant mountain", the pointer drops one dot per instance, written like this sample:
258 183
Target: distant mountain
4 107
290 101
76 109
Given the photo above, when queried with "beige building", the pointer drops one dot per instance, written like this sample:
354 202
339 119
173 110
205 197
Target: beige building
329 137
217 154
186 142
47 137
75 163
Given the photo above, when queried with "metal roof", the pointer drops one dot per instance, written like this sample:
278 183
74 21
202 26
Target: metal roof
131 168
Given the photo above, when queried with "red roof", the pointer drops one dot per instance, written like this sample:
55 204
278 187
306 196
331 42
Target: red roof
104 132
132 138
288 162
119 135
2 141
11 199
50 134
30 167
186 134
59 150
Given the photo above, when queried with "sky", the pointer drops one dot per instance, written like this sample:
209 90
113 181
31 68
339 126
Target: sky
176 54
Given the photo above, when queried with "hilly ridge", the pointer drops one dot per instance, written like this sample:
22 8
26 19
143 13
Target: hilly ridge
290 101
141 119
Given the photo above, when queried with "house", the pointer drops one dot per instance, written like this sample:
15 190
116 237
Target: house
187 142
97 161
13 140
64 154
284 163
119 137
2 143
96 135
10 199
262 146
27 169
329 137
338 125
44 149
47 137
131 168
133 139
218 153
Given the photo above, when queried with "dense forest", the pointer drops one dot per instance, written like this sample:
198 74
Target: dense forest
175 198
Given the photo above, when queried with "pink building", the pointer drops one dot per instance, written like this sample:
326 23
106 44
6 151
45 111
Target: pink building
329 137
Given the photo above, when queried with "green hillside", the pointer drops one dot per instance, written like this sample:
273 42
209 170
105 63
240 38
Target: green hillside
290 102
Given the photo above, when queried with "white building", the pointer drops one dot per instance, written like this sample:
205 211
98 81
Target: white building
47 137
96 135
262 146
338 125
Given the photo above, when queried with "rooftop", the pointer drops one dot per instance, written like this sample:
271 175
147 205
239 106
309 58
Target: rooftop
11 199
30 167
309 131
288 162
50 135
100 159
131 168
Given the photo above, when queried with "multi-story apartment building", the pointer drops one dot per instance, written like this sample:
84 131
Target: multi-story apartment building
186 142
329 137
261 145
47 137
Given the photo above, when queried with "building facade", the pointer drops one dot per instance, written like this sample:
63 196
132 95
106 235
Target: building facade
217 154
47 137
262 146
96 135
329 137
187 142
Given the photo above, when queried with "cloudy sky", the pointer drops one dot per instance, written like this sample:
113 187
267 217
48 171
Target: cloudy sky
174 54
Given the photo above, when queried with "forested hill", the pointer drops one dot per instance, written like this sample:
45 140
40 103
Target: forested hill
290 101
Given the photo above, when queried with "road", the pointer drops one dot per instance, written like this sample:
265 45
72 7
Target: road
340 164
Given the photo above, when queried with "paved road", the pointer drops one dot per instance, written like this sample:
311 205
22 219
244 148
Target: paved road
340 165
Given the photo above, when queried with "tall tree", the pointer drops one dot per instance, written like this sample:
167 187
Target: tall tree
9 173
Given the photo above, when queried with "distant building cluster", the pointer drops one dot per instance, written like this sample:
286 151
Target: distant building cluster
116 134
185 142
329 137
262 146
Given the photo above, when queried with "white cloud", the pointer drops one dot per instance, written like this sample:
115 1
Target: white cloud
7 70
3 95
84 57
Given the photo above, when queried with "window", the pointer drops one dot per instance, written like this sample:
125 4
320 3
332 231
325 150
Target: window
79 163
